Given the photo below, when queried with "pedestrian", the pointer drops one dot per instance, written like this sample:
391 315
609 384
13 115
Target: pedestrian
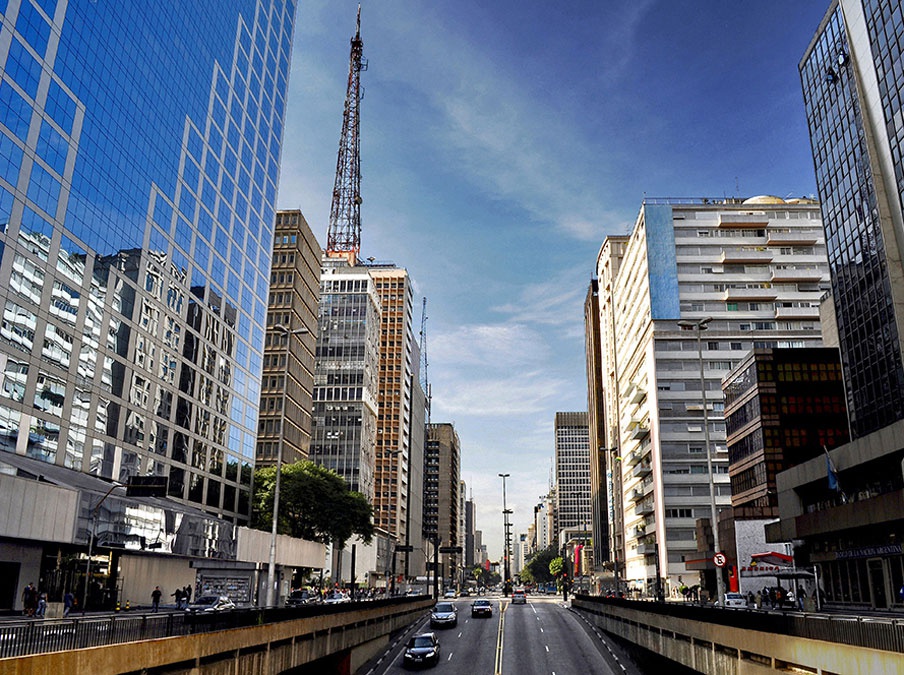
759 600
68 602
187 595
177 596
801 594
42 605
29 599
155 598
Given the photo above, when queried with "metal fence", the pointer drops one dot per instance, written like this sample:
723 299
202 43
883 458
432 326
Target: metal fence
37 636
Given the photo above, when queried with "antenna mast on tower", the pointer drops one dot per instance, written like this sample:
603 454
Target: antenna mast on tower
343 239
425 381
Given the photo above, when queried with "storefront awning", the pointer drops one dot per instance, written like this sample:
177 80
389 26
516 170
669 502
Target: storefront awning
772 558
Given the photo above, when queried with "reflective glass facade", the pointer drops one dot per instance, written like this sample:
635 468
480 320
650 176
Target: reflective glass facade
845 153
139 159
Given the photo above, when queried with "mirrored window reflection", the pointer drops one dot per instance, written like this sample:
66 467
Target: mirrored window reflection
50 394
18 328
65 302
71 261
15 376
9 428
57 347
27 279
43 440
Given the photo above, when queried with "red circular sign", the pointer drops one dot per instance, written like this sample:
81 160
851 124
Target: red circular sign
720 559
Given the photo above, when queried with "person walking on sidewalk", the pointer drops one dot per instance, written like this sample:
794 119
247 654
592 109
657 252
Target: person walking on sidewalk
155 599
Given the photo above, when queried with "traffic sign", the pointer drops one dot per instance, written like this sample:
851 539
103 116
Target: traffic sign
450 549
404 549
720 559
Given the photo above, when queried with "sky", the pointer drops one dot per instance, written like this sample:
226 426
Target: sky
501 142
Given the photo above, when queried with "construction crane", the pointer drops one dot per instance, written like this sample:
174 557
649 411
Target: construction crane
343 238
425 381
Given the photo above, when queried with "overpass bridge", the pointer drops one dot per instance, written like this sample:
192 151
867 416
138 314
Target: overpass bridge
726 641
316 640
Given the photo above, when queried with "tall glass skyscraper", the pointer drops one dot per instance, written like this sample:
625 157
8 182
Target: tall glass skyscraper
139 160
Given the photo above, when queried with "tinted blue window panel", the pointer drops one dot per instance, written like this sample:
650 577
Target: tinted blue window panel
32 222
44 190
6 209
15 112
23 68
52 148
60 107
49 6
32 26
664 303
10 160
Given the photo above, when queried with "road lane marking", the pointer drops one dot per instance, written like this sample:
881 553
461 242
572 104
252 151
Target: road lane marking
499 640
547 648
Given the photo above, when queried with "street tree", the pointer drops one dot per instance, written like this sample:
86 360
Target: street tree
314 504
538 565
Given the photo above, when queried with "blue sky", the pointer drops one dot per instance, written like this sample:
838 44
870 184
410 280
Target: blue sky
502 141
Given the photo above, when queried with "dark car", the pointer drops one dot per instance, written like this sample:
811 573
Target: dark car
481 608
443 614
519 597
299 598
422 649
208 604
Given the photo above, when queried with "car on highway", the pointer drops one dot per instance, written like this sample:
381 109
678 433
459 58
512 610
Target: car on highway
481 608
735 600
519 597
208 604
443 615
422 649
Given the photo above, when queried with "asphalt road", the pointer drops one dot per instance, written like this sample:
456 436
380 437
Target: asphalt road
542 637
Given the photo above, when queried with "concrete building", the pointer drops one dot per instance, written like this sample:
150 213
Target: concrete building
853 529
287 382
599 456
441 482
572 445
346 378
138 206
754 271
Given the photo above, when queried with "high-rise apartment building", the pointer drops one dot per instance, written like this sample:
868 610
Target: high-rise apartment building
442 459
752 273
572 445
137 202
397 374
287 382
853 526
599 456
346 375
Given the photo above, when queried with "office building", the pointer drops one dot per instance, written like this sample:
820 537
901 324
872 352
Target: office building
287 381
572 445
346 375
137 203
442 461
853 526
696 285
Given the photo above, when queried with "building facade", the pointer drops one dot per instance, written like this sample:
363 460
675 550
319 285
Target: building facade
852 528
572 444
287 382
754 271
442 459
137 204
346 375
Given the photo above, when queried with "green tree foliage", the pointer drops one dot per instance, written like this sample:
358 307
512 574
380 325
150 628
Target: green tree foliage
555 566
538 566
314 504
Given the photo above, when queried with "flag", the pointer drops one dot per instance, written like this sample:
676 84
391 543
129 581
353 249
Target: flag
832 473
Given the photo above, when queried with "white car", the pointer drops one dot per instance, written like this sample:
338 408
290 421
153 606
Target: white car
735 600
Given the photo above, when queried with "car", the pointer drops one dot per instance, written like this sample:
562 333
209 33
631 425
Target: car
449 594
519 597
208 604
481 608
735 600
444 614
336 598
301 597
422 649
464 593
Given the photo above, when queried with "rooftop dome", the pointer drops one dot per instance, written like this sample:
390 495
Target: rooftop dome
764 199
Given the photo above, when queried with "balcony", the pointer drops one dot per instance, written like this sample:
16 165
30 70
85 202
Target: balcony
794 275
744 221
633 423
633 459
748 294
637 395
640 432
797 238
645 509
637 494
639 531
808 313
646 549
642 470
747 257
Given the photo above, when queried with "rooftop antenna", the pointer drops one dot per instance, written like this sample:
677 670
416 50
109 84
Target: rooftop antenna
343 239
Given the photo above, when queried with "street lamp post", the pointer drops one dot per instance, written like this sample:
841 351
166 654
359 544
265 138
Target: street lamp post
505 549
271 565
698 326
